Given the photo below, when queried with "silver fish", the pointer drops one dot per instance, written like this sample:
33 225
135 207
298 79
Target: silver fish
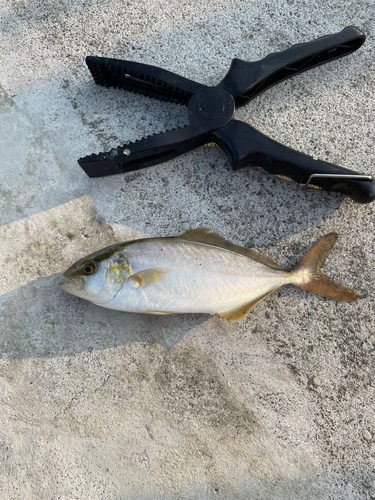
197 272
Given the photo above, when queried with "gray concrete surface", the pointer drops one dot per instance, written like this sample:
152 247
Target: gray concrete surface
98 404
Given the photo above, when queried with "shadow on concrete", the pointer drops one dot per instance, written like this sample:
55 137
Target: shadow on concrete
40 320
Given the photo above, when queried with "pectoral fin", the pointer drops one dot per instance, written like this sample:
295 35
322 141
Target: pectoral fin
240 312
148 277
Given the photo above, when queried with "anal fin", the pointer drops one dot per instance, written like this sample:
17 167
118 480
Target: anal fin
240 312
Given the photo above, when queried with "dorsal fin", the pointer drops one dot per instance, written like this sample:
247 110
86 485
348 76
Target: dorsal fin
240 312
206 236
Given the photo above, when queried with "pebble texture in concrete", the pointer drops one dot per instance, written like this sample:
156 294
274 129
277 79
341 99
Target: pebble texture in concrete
99 404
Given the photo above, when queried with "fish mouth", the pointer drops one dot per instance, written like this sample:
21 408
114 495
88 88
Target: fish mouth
73 286
67 286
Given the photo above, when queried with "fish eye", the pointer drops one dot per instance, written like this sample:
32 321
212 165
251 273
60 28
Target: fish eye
89 268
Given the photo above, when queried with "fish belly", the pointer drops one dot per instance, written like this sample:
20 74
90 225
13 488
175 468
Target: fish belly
199 280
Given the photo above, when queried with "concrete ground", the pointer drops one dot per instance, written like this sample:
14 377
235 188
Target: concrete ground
99 404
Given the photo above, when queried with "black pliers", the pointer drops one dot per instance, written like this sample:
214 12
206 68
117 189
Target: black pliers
211 111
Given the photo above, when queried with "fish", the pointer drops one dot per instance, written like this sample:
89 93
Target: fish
197 272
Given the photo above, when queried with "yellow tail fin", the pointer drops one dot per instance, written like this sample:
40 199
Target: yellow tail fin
309 277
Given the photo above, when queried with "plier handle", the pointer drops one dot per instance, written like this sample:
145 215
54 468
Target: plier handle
211 112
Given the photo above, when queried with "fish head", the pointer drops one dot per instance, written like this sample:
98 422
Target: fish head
98 277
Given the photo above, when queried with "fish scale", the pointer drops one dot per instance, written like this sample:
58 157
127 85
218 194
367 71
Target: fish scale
197 273
185 254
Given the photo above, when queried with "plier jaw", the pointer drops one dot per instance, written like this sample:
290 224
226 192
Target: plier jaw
211 111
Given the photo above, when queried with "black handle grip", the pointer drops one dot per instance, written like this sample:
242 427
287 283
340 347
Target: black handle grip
246 80
246 146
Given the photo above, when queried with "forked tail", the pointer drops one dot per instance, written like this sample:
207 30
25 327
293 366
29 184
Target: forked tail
308 276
